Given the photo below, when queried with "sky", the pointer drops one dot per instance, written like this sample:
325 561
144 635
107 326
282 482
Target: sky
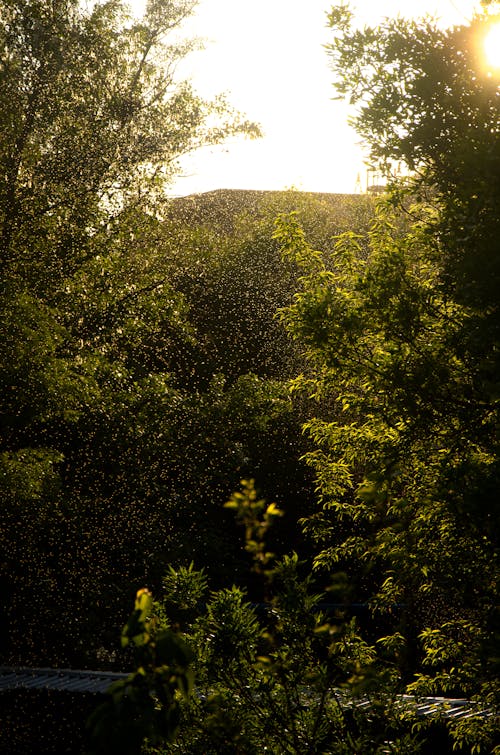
267 56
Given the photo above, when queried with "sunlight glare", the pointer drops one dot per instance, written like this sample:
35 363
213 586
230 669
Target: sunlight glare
492 45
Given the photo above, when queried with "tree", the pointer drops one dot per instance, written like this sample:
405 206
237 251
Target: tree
405 341
425 97
92 123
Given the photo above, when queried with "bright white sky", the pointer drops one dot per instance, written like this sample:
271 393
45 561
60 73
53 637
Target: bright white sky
267 55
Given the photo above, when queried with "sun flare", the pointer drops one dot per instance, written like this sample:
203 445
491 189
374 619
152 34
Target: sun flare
492 45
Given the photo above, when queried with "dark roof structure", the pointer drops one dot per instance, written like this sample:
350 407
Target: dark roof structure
98 682
64 680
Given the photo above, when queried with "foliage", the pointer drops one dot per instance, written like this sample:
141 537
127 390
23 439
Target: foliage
278 674
92 122
284 677
402 470
129 407
126 416
248 509
403 343
142 373
84 140
146 469
424 97
146 704
228 267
